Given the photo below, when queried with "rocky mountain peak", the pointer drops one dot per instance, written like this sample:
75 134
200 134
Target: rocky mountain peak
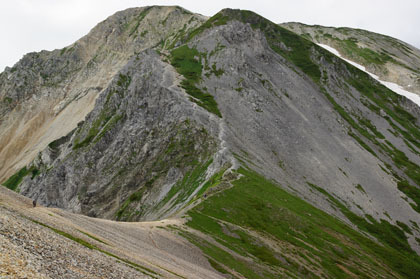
62 79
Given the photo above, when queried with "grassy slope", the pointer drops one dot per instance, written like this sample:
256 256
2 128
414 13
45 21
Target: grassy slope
187 62
14 181
305 241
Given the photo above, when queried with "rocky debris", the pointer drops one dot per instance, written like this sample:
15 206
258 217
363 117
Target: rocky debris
152 247
29 250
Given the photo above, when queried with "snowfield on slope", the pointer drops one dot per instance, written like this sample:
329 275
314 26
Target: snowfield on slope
393 86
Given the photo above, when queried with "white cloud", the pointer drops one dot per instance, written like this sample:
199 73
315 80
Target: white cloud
28 25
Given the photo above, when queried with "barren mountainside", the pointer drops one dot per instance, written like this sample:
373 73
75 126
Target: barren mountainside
281 159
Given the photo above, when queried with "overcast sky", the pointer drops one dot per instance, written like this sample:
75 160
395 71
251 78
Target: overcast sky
33 25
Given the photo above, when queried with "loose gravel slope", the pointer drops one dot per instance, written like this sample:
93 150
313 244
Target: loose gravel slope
50 243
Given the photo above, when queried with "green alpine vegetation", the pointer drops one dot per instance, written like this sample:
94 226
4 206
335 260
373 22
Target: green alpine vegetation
13 182
303 240
187 62
351 49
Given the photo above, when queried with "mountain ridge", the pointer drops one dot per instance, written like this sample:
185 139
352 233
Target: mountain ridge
235 104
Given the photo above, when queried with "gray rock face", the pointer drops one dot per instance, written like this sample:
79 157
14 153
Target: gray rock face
147 148
142 136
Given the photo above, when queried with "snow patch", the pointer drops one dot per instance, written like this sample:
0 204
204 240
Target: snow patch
393 86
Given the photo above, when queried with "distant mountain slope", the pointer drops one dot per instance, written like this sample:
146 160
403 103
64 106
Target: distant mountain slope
389 58
279 154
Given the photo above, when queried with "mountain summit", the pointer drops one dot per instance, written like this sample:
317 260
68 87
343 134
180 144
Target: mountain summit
280 158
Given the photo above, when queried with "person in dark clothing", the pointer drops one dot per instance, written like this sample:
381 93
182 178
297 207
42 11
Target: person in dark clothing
34 203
